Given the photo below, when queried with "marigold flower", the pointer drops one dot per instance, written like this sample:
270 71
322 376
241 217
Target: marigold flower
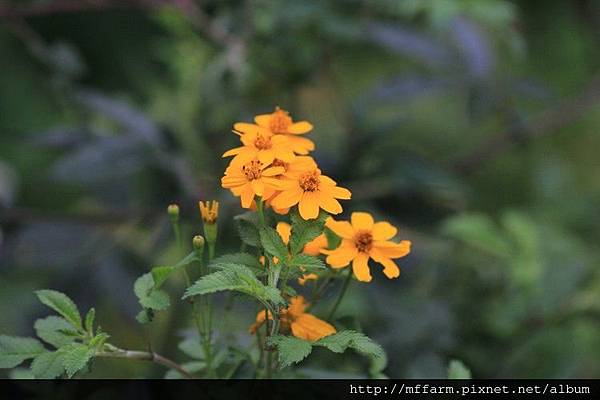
209 210
250 179
363 239
295 318
260 143
279 122
310 190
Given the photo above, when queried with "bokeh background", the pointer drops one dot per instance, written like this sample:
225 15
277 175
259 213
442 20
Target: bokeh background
470 124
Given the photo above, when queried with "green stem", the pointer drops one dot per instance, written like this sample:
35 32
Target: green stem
341 295
144 355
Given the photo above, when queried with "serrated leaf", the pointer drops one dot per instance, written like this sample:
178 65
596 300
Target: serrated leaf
291 350
192 348
148 295
62 304
237 278
308 263
303 231
247 225
75 357
458 370
273 244
52 330
161 273
339 342
246 259
48 365
14 350
89 321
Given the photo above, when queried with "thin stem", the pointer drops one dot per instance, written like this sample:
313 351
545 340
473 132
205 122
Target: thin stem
341 295
145 356
261 213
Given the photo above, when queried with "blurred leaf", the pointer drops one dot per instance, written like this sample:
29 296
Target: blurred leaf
148 295
14 350
457 370
479 231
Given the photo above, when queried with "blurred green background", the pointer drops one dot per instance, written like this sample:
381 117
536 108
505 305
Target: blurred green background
470 124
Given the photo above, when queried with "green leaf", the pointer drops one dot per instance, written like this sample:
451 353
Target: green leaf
145 316
89 321
247 225
339 342
458 370
75 357
62 304
192 348
303 231
148 296
48 365
20 373
237 278
308 263
51 330
246 259
14 350
99 340
273 244
479 231
291 350
160 274
333 240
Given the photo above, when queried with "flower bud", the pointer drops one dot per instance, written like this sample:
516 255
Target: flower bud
173 211
198 242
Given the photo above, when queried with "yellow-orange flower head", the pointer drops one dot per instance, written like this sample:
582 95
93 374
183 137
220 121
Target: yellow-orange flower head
209 210
251 178
363 239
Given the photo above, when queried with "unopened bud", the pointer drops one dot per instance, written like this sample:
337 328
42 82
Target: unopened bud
173 211
198 242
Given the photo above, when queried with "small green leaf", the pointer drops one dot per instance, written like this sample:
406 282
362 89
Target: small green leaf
192 348
237 278
148 296
246 259
145 316
89 321
75 357
52 330
160 274
273 244
48 365
14 350
339 342
458 370
62 304
308 263
291 350
303 231
247 225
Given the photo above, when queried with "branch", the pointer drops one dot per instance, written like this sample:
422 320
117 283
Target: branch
542 124
145 356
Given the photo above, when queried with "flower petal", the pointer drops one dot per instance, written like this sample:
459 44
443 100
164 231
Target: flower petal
309 327
341 228
390 269
246 196
284 229
341 256
313 248
300 127
384 231
244 127
257 186
232 152
362 221
309 205
266 156
391 249
360 267
263 120
288 198
328 203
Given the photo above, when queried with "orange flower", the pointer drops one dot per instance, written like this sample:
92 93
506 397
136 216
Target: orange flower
250 179
302 324
260 143
314 247
363 239
209 211
310 190
279 122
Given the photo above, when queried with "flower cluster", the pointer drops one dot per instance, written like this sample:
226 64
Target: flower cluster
273 164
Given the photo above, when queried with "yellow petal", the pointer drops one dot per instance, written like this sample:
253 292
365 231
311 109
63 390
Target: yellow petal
284 229
232 152
384 231
257 186
245 127
263 120
391 249
328 203
360 267
266 156
341 228
390 269
309 205
309 327
362 221
341 193
246 196
300 127
341 256
288 198
314 247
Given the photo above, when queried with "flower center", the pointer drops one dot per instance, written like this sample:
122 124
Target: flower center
262 143
309 181
280 120
252 170
363 241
